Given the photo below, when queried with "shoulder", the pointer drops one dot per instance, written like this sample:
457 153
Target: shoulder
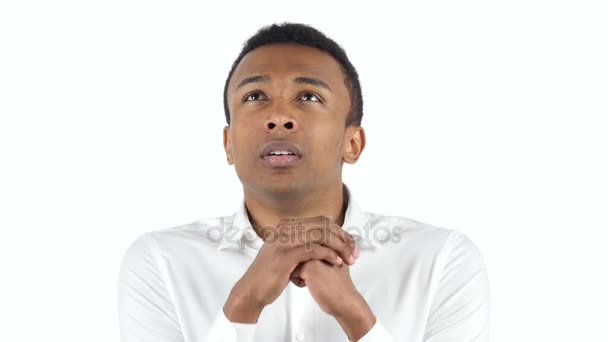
400 232
196 235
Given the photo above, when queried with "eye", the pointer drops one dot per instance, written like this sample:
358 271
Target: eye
253 97
312 97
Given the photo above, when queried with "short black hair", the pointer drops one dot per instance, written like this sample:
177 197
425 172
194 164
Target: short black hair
285 33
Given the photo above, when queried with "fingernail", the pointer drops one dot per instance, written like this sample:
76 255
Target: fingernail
340 261
351 259
356 253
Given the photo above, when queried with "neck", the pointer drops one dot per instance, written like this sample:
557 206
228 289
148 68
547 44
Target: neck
266 210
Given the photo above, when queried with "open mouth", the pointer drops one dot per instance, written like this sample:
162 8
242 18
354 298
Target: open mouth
280 153
280 158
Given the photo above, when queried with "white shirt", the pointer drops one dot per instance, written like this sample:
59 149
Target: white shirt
423 283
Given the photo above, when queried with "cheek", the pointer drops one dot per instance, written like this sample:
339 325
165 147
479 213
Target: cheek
243 145
330 145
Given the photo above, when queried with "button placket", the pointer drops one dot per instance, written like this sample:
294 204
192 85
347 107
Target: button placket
297 307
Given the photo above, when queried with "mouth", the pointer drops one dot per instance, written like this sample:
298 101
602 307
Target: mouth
280 154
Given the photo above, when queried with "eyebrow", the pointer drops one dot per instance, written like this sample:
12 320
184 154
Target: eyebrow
253 79
302 80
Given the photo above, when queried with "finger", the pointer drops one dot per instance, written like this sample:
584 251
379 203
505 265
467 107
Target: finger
296 272
297 281
310 220
295 276
327 224
346 237
328 238
322 231
291 232
315 251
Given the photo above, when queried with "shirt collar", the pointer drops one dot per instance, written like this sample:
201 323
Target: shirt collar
241 232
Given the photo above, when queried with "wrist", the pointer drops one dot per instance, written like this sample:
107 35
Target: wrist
241 307
356 320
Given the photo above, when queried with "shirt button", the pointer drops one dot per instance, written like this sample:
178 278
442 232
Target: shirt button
300 336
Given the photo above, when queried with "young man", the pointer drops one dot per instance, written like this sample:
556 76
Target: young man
300 261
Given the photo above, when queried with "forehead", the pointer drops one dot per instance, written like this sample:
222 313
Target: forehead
289 60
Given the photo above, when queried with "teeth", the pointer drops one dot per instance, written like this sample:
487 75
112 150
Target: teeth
280 152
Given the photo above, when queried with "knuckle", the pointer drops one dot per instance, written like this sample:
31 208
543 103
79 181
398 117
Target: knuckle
310 249
346 252
316 234
283 229
322 220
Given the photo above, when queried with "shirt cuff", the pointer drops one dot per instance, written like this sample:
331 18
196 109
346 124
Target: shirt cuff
222 330
377 334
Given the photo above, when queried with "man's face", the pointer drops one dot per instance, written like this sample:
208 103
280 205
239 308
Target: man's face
293 94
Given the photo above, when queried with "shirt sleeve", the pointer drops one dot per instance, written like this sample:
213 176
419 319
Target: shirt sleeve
461 307
377 334
146 312
226 331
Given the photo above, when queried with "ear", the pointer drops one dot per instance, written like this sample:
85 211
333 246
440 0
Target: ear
354 143
228 145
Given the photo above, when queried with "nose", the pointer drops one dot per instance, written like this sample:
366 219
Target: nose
275 123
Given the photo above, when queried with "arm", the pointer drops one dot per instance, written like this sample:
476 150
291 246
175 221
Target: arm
361 322
461 307
145 310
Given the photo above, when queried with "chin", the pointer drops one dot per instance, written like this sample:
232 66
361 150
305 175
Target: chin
276 187
279 187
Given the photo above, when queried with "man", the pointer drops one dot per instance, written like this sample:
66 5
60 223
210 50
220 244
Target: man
300 261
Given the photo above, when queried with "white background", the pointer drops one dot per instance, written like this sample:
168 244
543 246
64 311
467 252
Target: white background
481 116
